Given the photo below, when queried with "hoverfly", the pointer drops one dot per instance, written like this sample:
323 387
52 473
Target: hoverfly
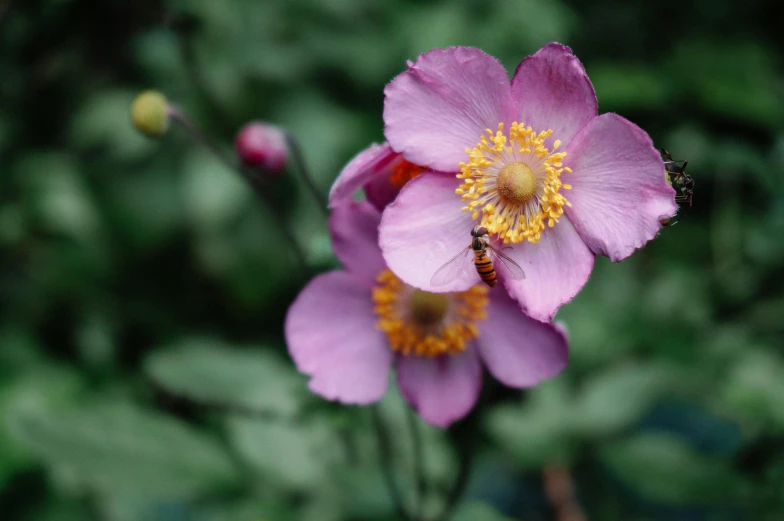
677 175
485 266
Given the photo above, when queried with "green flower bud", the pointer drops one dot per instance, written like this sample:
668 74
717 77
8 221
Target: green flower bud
150 113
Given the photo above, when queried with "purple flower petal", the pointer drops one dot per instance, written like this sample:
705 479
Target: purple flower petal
442 389
332 337
552 91
518 350
443 103
423 229
380 191
619 191
556 268
359 171
354 230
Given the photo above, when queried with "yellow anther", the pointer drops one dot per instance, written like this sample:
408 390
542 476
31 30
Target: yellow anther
514 179
426 324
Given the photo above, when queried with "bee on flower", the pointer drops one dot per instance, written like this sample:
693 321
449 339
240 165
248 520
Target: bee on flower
530 160
348 328
485 266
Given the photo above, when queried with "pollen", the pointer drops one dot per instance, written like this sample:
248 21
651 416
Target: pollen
512 183
419 323
403 172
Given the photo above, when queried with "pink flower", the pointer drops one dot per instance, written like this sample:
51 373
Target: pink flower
379 170
529 160
262 146
348 328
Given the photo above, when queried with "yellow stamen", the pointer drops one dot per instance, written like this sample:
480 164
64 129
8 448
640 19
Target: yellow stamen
513 182
403 172
427 324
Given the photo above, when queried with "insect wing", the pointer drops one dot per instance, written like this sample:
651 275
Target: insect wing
450 270
673 166
507 266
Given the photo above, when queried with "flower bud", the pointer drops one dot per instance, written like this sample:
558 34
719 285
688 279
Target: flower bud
264 147
150 113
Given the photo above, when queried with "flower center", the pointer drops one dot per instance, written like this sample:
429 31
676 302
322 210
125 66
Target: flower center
403 172
514 183
428 308
427 324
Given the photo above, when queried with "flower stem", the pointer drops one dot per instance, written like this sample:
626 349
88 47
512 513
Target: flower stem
304 173
466 463
419 462
185 28
254 181
559 489
385 453
465 438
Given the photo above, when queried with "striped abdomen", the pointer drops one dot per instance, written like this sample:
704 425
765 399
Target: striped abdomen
484 267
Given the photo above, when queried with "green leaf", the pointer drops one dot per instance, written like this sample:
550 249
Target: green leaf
539 431
753 389
104 121
478 511
119 449
40 386
367 496
751 94
291 455
214 196
663 467
148 205
57 195
207 370
618 398
597 316
627 86
135 508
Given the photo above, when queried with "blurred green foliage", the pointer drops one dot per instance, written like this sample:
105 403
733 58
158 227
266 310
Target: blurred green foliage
143 374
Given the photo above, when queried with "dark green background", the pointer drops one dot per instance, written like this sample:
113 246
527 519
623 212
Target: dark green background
143 373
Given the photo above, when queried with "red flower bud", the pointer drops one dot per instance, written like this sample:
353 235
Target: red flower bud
263 146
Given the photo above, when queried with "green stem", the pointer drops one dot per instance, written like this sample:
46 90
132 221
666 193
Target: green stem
465 436
185 29
419 462
466 464
254 181
385 454
304 173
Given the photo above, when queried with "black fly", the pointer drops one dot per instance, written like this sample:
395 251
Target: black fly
676 172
